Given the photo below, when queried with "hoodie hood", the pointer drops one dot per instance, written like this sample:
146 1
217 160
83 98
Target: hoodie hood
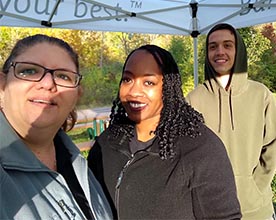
240 64
238 78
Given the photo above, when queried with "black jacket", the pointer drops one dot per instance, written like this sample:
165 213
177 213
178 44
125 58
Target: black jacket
197 183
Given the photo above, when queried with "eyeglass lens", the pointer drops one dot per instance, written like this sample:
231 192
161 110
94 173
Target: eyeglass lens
33 72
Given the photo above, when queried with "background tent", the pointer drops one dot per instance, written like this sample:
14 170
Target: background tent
139 16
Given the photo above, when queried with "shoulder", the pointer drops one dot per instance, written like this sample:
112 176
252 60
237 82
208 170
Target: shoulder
105 136
261 91
206 145
197 95
198 90
204 154
257 85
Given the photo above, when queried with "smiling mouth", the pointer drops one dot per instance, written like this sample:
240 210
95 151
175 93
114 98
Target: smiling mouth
221 60
137 104
42 102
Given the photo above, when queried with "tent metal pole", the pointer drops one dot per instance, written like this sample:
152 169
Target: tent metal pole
195 39
49 23
194 34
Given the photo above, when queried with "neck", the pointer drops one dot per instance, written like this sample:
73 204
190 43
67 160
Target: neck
46 153
145 132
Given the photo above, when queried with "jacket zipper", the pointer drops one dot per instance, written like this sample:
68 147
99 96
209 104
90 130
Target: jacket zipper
119 180
66 209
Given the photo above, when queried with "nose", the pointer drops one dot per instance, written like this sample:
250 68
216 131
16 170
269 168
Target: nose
136 89
47 82
220 49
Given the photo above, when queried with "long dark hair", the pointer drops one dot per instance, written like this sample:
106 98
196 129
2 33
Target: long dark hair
22 45
178 118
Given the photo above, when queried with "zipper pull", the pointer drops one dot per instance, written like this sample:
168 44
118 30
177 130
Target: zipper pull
66 209
119 180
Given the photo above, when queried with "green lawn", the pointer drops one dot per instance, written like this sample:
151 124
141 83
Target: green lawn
79 135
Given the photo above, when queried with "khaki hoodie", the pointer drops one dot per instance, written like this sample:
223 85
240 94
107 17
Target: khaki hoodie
244 117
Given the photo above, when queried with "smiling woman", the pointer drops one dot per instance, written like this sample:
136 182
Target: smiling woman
157 159
40 165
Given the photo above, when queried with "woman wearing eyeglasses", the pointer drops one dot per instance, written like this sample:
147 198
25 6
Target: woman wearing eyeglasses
43 175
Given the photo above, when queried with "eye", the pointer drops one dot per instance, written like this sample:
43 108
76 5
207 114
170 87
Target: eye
126 80
27 71
65 76
229 45
212 47
149 83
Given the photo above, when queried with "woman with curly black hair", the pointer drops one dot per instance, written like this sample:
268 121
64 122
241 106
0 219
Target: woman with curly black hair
157 159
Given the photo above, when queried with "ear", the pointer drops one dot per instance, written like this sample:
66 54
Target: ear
80 91
3 79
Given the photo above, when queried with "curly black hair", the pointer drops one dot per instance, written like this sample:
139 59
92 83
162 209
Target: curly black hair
177 118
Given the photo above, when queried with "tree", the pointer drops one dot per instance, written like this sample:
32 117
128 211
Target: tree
181 49
260 43
258 48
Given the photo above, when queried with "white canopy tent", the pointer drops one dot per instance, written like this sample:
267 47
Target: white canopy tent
177 17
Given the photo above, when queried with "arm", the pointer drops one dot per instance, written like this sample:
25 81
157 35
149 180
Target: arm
266 168
212 181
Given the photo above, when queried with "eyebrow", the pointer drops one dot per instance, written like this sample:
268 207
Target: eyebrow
145 75
225 41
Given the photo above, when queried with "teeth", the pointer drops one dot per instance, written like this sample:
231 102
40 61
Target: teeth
42 101
220 61
137 105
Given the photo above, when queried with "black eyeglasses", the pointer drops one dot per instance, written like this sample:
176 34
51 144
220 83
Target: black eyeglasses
34 72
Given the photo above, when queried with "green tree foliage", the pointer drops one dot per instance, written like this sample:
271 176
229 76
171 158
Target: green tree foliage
267 70
273 185
181 49
121 44
100 85
261 61
88 44
255 43
9 36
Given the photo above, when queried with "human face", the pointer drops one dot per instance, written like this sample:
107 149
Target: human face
141 88
221 51
39 104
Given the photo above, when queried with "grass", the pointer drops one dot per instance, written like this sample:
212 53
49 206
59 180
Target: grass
79 135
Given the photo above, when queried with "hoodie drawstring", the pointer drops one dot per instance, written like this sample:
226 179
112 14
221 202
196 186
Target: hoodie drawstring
219 111
230 109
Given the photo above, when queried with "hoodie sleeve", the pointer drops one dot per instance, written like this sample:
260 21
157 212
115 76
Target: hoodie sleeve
266 168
